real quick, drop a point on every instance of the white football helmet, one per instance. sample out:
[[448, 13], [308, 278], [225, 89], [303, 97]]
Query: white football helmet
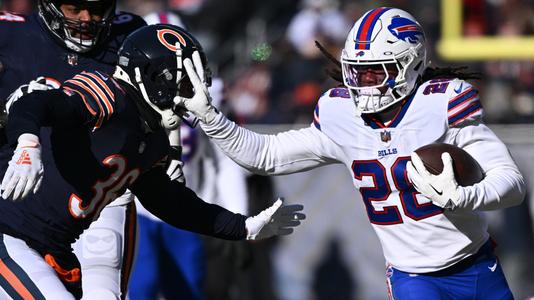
[[388, 41]]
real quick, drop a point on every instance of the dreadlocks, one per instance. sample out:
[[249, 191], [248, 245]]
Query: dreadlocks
[[429, 74]]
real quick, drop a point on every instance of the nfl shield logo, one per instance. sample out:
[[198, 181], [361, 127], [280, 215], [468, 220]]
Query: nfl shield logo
[[72, 59], [385, 136]]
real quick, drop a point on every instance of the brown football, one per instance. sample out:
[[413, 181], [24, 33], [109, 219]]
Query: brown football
[[467, 171]]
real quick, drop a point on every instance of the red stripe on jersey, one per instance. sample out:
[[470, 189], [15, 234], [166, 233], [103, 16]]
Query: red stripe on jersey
[[461, 95], [466, 116]]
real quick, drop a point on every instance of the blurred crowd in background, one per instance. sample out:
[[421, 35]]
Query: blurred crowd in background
[[265, 50], [273, 73]]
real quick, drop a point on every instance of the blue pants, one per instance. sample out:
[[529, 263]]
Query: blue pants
[[480, 277], [170, 262]]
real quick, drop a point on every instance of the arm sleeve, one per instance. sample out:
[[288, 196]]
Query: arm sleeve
[[44, 108], [284, 153], [180, 207], [503, 185]]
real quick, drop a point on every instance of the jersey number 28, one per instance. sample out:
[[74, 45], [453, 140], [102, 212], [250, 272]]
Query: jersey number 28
[[381, 191]]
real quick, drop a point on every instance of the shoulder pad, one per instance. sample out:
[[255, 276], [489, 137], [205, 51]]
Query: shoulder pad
[[339, 92], [128, 21], [98, 92], [9, 17], [464, 105], [335, 94]]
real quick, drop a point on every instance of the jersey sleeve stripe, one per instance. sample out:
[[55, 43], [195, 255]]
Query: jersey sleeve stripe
[[462, 98], [316, 120], [89, 108], [102, 97], [465, 113], [103, 85], [100, 108]]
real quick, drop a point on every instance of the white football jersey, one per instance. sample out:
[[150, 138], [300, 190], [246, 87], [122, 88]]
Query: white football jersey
[[416, 236]]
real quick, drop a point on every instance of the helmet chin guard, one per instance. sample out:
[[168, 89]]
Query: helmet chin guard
[[391, 43]]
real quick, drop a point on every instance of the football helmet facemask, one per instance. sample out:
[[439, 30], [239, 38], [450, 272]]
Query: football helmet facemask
[[79, 36], [151, 61], [389, 44]]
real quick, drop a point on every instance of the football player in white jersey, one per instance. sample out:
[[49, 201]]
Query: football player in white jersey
[[435, 242]]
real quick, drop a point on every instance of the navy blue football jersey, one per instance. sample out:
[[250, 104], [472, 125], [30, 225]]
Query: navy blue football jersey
[[82, 163], [28, 50], [99, 147]]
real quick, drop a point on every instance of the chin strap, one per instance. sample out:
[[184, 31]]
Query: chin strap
[[169, 120]]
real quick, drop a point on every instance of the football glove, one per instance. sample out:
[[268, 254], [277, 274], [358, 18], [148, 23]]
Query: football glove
[[175, 165], [278, 219], [200, 104], [442, 189], [174, 159], [25, 170], [38, 84]]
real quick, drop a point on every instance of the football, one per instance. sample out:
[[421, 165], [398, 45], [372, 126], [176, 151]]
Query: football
[[467, 171]]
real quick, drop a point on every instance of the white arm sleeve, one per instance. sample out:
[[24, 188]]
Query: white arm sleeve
[[284, 153], [503, 185]]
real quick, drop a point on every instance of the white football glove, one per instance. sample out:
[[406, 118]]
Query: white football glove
[[278, 219], [25, 170], [200, 104], [442, 189], [38, 84], [174, 165]]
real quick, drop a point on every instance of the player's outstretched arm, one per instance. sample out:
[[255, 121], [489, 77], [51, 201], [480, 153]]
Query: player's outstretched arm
[[284, 153], [180, 207]]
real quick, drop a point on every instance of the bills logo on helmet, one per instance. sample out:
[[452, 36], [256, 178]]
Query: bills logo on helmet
[[406, 29], [163, 37]]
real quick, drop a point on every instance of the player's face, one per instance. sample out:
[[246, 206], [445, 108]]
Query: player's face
[[81, 16], [372, 75]]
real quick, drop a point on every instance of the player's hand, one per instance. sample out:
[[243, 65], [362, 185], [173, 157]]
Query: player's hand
[[25, 170], [200, 104], [175, 165], [278, 219], [442, 189], [38, 84]]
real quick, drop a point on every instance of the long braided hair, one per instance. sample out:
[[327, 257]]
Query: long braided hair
[[430, 73]]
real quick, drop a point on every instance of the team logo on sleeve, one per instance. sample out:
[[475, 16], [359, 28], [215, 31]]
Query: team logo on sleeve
[[165, 38], [406, 30]]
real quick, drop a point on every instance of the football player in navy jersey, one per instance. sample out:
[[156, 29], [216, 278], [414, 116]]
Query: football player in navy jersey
[[62, 38], [108, 134]]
